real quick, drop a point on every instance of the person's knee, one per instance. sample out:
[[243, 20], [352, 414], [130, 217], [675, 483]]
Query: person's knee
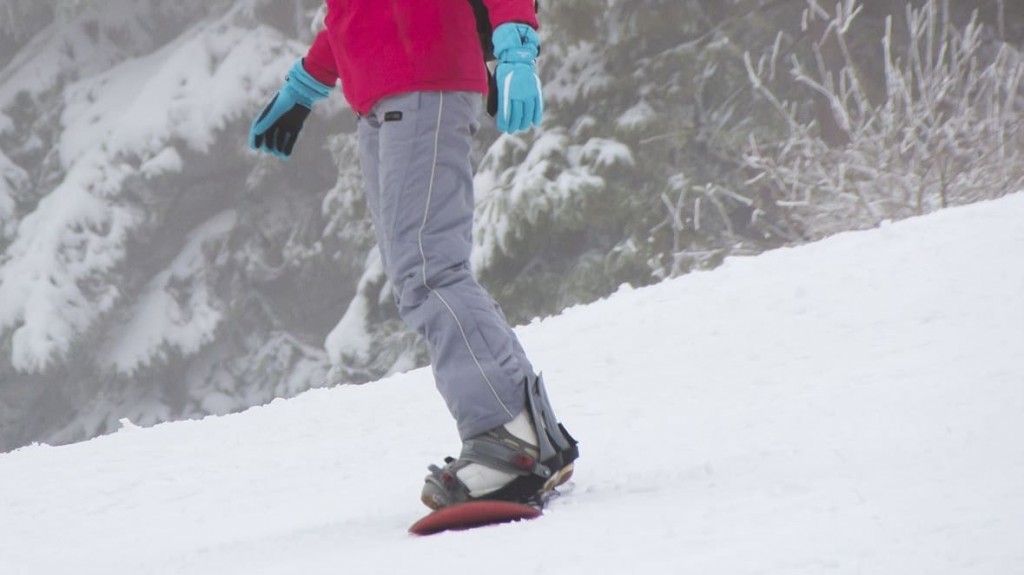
[[415, 285]]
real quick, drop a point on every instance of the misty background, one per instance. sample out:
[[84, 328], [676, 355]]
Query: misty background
[[152, 268]]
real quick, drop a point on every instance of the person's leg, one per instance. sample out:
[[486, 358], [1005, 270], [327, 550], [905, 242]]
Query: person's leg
[[425, 222], [368, 135]]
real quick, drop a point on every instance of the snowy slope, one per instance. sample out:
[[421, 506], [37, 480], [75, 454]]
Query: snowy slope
[[851, 406]]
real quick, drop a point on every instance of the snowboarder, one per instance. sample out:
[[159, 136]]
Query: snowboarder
[[413, 71]]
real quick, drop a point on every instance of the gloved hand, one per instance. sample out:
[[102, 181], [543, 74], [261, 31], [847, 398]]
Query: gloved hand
[[520, 101], [277, 128]]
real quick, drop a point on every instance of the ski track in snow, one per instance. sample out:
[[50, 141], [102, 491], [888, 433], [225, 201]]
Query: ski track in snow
[[851, 406]]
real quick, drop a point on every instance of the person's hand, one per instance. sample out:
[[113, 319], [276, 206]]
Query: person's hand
[[277, 128], [520, 97]]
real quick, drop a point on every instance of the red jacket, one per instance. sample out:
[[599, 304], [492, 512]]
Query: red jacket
[[381, 48]]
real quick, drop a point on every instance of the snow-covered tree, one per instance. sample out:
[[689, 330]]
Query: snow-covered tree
[[939, 125], [144, 249]]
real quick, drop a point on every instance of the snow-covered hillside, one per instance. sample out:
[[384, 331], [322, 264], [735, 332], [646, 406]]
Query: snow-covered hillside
[[851, 406]]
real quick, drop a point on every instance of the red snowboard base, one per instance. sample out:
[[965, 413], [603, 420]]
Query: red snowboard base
[[472, 514]]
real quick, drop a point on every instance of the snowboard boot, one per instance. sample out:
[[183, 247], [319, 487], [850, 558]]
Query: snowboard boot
[[521, 461]]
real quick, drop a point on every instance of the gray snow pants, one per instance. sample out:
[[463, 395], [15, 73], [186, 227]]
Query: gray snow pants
[[414, 151]]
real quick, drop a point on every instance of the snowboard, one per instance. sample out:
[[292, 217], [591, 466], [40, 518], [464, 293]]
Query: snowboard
[[473, 514]]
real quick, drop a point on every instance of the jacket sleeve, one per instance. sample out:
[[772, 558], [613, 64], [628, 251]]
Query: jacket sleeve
[[319, 60], [503, 11]]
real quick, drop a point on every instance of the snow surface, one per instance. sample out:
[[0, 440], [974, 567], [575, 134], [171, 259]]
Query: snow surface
[[851, 406]]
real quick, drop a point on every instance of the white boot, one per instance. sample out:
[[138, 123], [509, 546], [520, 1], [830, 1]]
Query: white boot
[[480, 479], [505, 463]]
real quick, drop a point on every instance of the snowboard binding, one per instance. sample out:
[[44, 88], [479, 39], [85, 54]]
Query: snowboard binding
[[538, 468]]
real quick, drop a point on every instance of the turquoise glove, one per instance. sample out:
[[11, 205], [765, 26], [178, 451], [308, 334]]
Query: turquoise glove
[[276, 130], [520, 99]]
